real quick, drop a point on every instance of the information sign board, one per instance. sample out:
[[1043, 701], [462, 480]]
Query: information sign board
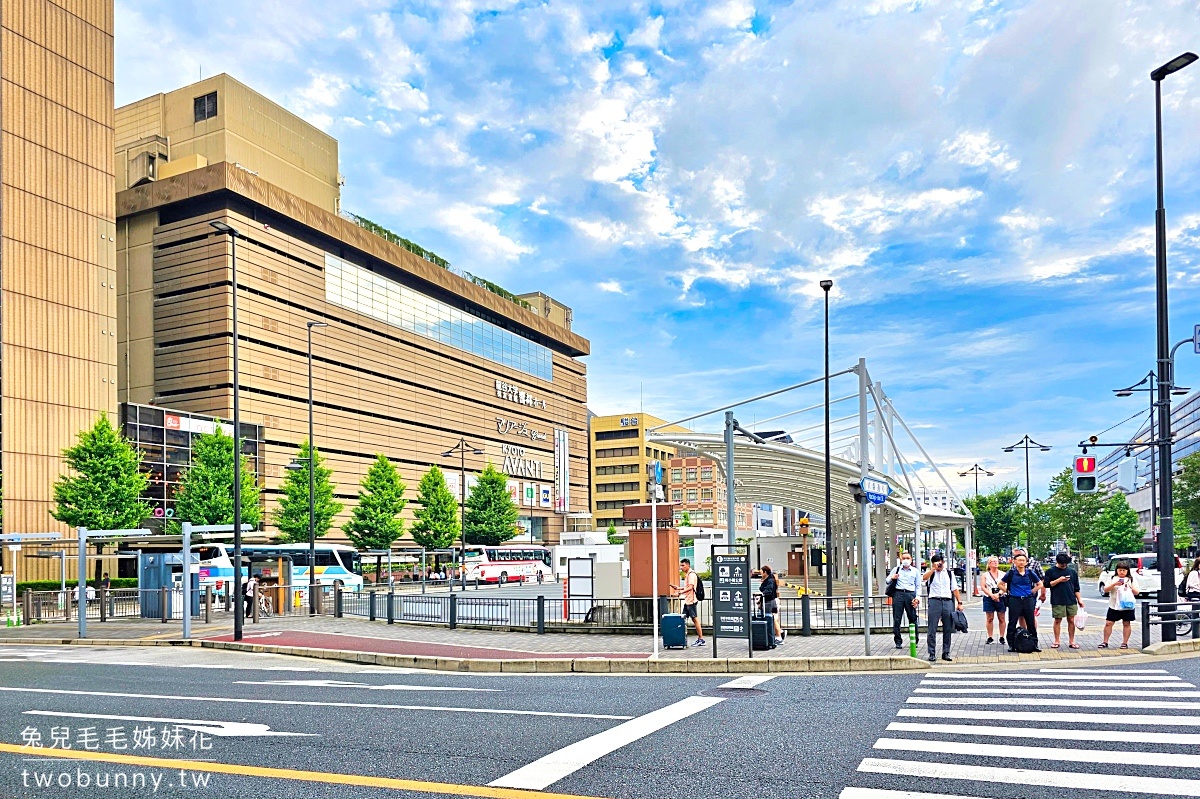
[[731, 594]]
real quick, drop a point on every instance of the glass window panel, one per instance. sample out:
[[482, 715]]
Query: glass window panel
[[150, 435], [178, 438], [177, 455]]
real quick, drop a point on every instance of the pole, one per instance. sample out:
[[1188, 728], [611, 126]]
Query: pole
[[187, 580], [729, 493], [828, 469], [654, 558], [864, 543], [1166, 530], [1153, 471], [239, 607], [462, 511], [82, 583], [312, 488]]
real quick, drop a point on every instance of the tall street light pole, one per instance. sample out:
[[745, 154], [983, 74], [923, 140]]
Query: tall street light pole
[[826, 285], [311, 464], [1149, 384], [1166, 535], [1027, 444], [461, 449], [976, 470], [232, 232]]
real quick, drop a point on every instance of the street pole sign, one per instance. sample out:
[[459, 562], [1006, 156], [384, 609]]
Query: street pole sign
[[1196, 340], [876, 491], [731, 593]]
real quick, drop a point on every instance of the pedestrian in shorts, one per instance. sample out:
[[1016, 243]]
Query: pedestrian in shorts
[[1065, 600], [686, 591]]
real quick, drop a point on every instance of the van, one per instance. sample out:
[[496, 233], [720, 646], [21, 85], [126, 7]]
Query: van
[[1144, 566]]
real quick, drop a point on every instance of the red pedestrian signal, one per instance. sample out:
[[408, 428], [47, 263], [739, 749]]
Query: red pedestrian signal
[[1085, 465], [1084, 477]]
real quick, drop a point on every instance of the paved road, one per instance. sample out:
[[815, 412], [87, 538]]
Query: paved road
[[350, 731]]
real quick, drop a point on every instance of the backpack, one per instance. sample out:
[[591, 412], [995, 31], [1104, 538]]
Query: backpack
[[700, 591], [1024, 641]]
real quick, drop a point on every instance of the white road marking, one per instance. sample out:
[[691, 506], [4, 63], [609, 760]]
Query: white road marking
[[1065, 686], [1125, 757], [1105, 671], [362, 685], [1007, 700], [1043, 675], [749, 681], [1160, 786], [553, 767], [993, 716], [1026, 691], [987, 730], [302, 703], [224, 729], [881, 793]]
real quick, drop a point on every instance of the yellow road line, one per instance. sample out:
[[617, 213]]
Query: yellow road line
[[420, 786]]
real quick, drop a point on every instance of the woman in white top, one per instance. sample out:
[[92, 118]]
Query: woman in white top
[[1191, 587], [1124, 580], [993, 604]]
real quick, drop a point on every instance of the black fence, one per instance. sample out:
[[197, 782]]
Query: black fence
[[1183, 616]]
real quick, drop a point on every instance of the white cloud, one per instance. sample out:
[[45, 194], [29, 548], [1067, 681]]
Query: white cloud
[[876, 212], [1020, 222], [648, 35], [612, 286], [978, 149], [735, 14], [472, 224]]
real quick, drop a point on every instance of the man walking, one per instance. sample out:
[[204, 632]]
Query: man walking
[[904, 600], [944, 599], [1064, 597], [687, 592]]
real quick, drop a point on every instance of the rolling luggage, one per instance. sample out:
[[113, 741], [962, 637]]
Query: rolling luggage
[[674, 631], [762, 633]]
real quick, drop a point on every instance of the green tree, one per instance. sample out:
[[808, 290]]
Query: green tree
[[686, 521], [375, 522], [205, 494], [291, 517], [1041, 531], [613, 538], [996, 519], [436, 525], [1117, 528], [491, 515], [1185, 490], [103, 487], [1073, 515]]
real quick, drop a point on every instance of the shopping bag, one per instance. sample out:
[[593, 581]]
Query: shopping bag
[[1081, 619], [1125, 600]]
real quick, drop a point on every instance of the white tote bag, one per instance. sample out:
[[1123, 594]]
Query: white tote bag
[[1081, 619]]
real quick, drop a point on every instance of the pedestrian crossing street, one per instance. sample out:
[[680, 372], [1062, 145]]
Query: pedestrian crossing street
[[1033, 734]]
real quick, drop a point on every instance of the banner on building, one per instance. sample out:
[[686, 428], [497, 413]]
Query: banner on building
[[514, 492], [547, 496], [562, 472]]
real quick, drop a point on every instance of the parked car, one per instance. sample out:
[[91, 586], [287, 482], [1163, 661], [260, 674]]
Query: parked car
[[1144, 566]]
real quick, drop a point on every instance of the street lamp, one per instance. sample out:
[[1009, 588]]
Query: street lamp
[[312, 480], [1166, 535], [461, 449], [1027, 444], [826, 285], [976, 470], [232, 232]]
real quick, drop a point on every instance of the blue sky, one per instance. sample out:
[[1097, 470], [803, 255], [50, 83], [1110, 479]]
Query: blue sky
[[976, 177]]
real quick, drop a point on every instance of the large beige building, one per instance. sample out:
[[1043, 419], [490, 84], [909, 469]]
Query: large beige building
[[58, 344], [621, 459], [415, 358]]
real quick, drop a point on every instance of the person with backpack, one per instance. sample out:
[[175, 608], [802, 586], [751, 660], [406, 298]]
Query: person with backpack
[[1021, 586], [904, 595], [1122, 592], [944, 599], [691, 591], [769, 588], [1036, 568]]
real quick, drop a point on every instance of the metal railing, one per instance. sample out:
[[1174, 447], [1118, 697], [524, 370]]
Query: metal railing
[[1185, 616]]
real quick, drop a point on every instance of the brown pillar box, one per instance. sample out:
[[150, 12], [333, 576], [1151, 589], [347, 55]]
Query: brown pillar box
[[640, 559]]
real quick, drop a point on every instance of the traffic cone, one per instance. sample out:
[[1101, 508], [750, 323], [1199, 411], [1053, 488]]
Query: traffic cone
[[849, 600]]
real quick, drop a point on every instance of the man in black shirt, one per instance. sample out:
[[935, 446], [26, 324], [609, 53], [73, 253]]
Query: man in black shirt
[[1064, 597]]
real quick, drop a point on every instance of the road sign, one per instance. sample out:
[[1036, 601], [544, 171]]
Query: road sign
[[876, 491], [1196, 340], [731, 594], [658, 473]]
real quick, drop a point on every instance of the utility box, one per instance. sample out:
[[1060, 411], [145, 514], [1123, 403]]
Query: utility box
[[640, 559], [158, 570]]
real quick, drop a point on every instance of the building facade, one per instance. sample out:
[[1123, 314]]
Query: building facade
[[58, 340], [620, 461], [416, 358], [696, 487]]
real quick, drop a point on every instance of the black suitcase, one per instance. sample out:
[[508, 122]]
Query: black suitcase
[[762, 634], [674, 631]]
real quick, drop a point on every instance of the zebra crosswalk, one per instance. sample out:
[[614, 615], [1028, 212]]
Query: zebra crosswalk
[[1018, 735]]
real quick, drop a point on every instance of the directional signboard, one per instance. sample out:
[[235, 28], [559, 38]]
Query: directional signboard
[[731, 593], [876, 491]]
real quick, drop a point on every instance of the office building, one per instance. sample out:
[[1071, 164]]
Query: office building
[[416, 356], [620, 463], [696, 486], [58, 343]]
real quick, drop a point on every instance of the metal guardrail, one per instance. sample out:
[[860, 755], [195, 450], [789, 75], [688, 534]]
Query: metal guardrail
[[1185, 616]]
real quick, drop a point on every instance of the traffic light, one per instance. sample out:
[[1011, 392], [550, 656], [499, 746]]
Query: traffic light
[[1085, 475]]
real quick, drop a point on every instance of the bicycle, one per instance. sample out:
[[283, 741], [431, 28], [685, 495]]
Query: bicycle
[[265, 608]]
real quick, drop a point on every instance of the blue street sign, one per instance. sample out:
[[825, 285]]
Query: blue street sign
[[876, 491], [658, 473]]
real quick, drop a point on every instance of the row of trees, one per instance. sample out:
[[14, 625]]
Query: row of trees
[[105, 486], [1088, 522]]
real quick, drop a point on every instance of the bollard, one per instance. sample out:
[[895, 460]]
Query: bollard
[[371, 615], [391, 608], [541, 615], [318, 595], [66, 600], [912, 640], [208, 604], [27, 606], [103, 604], [453, 611], [1145, 623], [805, 615], [337, 601], [225, 597], [163, 603], [254, 603]]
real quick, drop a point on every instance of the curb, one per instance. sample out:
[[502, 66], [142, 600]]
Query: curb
[[1173, 647]]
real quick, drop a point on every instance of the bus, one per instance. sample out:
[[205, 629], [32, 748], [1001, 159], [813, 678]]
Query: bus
[[337, 564], [507, 564]]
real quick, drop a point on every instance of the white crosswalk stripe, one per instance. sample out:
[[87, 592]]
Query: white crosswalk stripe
[[965, 735]]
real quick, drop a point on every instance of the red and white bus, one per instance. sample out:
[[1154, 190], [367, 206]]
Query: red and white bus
[[508, 564]]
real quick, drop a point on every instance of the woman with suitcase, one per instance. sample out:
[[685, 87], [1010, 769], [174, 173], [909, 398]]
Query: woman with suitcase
[[769, 588]]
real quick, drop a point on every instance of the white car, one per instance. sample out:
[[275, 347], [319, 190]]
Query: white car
[[1144, 566]]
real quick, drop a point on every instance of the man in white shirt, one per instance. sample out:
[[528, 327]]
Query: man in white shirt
[[944, 599], [904, 601]]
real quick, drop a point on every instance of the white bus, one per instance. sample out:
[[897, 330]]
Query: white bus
[[507, 564], [337, 564]]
